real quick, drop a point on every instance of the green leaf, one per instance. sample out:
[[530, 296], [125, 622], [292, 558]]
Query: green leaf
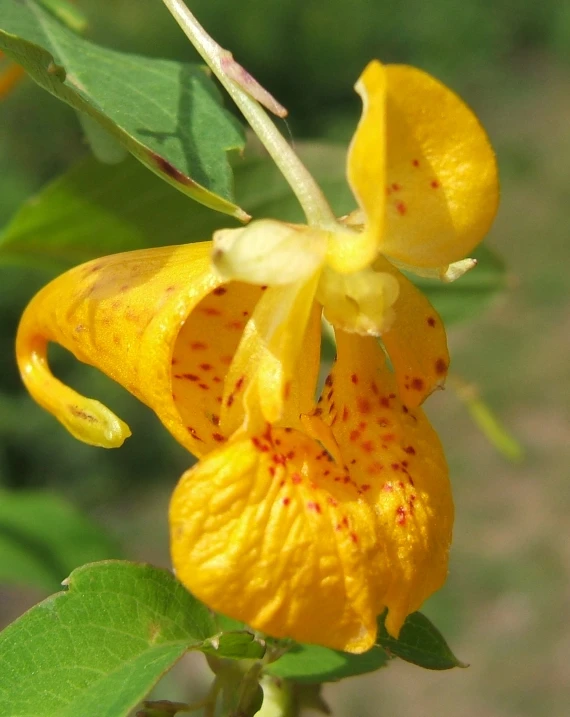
[[43, 538], [99, 647], [420, 643], [168, 114], [313, 663], [237, 645], [67, 13], [470, 294], [97, 209]]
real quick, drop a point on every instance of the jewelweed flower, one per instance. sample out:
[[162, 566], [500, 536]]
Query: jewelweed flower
[[304, 519]]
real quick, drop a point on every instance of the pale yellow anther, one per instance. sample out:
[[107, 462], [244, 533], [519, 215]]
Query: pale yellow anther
[[360, 302]]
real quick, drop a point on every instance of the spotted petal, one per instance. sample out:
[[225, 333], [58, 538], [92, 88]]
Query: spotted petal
[[157, 321], [263, 531], [436, 180], [416, 341], [276, 382], [396, 465]]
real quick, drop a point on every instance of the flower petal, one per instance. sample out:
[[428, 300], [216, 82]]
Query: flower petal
[[396, 464], [269, 252], [421, 168], [416, 341], [441, 172], [285, 321], [157, 321], [262, 531], [366, 170], [360, 302]]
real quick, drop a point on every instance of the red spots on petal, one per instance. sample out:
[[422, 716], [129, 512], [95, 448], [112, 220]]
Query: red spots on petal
[[217, 379], [290, 455], [440, 366], [206, 366], [311, 505], [431, 321], [235, 325], [385, 402], [401, 515], [331, 408], [354, 537], [415, 162], [239, 383], [332, 501], [354, 378], [230, 400], [405, 409], [411, 482], [410, 450], [204, 386], [272, 472], [287, 390], [226, 360], [383, 422], [261, 447], [296, 479], [264, 287], [198, 346], [345, 414], [329, 380], [210, 311], [401, 208], [396, 187], [192, 432], [418, 384], [375, 468], [364, 487], [367, 446], [388, 437], [288, 430], [363, 405], [215, 420], [218, 437], [362, 426], [220, 291], [354, 435], [174, 361], [374, 388], [434, 184], [395, 466], [286, 501]]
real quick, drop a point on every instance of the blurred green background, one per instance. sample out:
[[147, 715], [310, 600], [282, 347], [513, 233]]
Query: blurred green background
[[503, 608]]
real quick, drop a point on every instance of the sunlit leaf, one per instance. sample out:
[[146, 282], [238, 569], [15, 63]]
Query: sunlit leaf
[[99, 647], [313, 663], [168, 114], [420, 643]]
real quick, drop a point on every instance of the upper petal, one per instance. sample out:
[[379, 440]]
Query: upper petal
[[157, 321], [396, 464], [436, 181], [263, 531]]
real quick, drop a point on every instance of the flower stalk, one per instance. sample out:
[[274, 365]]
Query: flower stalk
[[247, 93]]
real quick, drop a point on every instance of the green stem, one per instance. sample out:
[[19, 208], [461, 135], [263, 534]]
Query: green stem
[[220, 61]]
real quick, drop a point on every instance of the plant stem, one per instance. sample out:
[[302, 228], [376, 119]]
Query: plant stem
[[235, 79]]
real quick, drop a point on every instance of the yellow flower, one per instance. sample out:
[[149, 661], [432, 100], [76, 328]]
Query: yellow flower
[[304, 520]]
